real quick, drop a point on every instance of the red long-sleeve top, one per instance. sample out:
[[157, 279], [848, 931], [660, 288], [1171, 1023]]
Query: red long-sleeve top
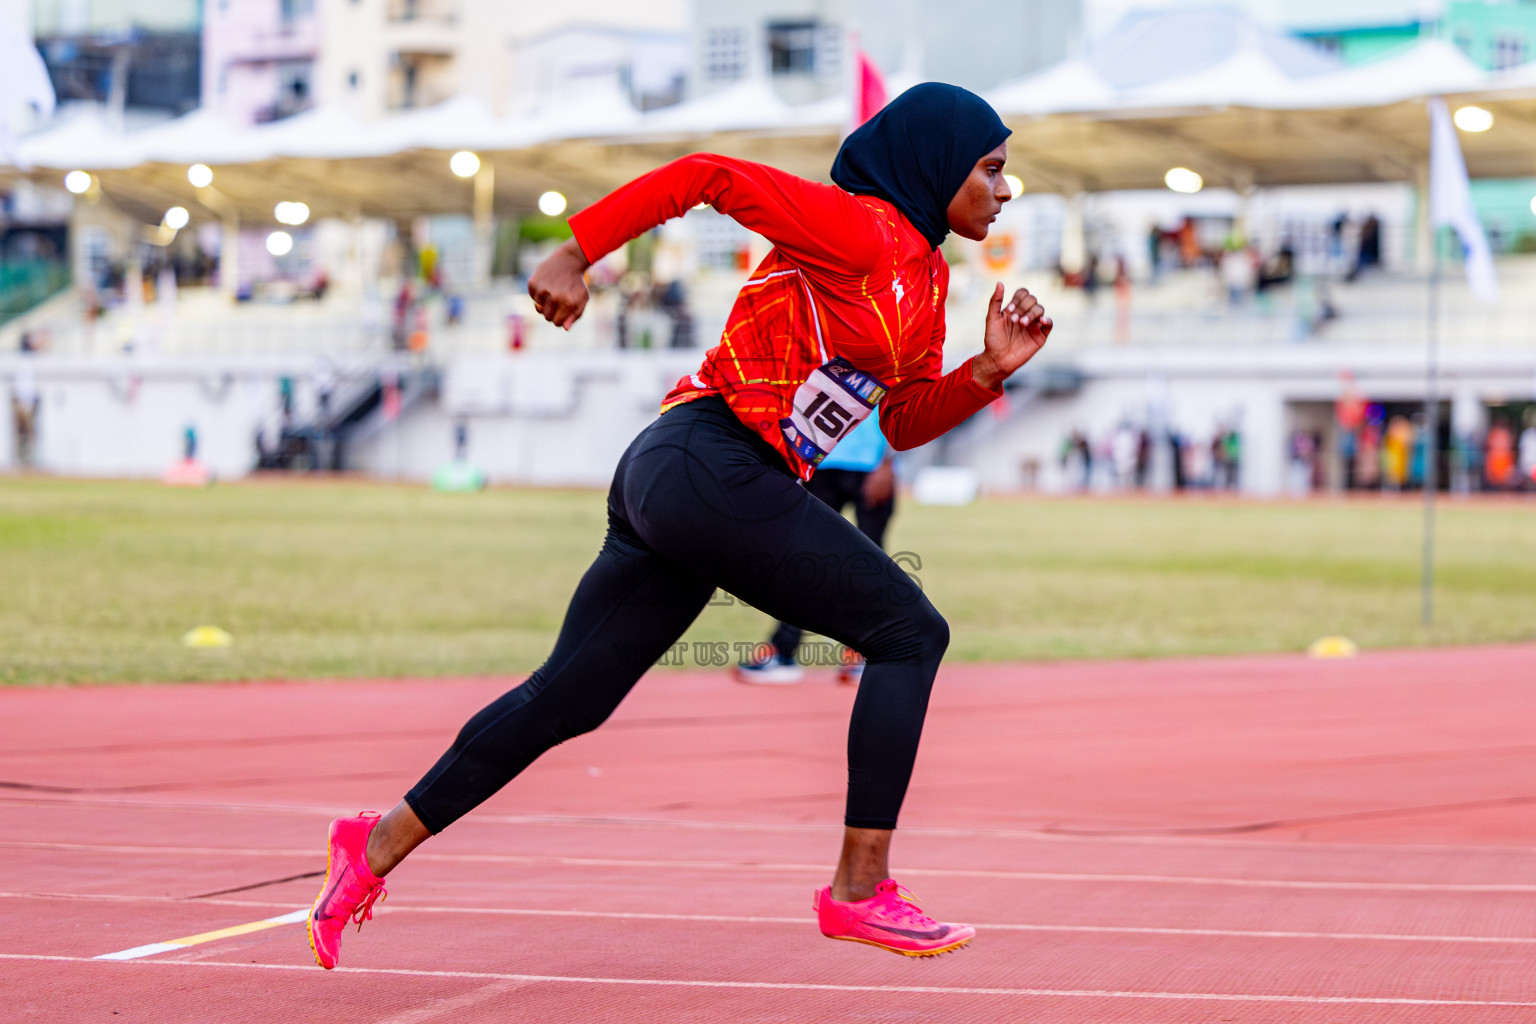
[[848, 276]]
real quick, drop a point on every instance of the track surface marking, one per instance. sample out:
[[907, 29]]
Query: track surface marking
[[1243, 839]]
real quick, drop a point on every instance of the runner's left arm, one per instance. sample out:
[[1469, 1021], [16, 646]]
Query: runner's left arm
[[928, 403], [924, 405]]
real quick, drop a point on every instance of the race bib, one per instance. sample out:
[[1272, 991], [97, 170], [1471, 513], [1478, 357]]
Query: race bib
[[834, 399]]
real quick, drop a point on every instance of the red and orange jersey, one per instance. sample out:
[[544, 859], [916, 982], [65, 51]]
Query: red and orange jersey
[[848, 278]]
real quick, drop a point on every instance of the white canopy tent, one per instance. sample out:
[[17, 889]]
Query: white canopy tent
[[1244, 106]]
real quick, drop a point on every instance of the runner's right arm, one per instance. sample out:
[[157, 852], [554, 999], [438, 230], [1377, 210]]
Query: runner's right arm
[[815, 225]]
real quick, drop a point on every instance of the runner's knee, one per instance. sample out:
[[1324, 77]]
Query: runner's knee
[[934, 632], [571, 718], [915, 634]]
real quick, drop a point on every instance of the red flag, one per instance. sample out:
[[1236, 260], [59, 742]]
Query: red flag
[[390, 400], [869, 90]]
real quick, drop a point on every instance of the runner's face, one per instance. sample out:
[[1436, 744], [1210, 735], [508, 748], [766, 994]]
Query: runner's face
[[979, 200]]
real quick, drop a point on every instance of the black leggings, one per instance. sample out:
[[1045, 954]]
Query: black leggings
[[699, 501], [838, 488]]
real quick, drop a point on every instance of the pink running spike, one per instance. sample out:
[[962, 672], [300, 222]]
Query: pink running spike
[[350, 888], [889, 919]]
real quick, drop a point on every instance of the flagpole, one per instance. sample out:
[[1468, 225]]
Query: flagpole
[[1449, 204], [1432, 435]]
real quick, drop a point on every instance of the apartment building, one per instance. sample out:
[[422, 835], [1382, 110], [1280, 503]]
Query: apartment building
[[259, 58], [802, 45], [138, 57]]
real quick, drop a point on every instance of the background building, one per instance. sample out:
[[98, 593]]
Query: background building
[[128, 55], [802, 46], [259, 59]]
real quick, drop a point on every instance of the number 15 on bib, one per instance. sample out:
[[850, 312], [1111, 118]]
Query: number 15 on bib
[[834, 399]]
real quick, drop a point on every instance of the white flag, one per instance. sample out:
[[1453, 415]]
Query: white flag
[[23, 82], [1450, 202]]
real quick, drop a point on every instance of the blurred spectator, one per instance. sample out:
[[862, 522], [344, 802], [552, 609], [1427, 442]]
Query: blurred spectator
[[1189, 243], [1143, 458], [1176, 445], [674, 303], [1232, 443], [1238, 273], [400, 326], [1279, 268], [25, 403], [1394, 454], [1499, 457], [431, 268], [1199, 469], [1303, 463], [1314, 307], [324, 382], [1464, 479], [1368, 456], [1349, 445], [1077, 460], [1226, 459], [1527, 460], [1368, 255], [1122, 301], [1417, 462], [1124, 446], [420, 335]]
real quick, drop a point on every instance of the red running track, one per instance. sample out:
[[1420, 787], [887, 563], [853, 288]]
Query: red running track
[[1246, 839]]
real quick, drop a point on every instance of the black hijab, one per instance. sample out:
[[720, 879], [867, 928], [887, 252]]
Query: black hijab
[[918, 151]]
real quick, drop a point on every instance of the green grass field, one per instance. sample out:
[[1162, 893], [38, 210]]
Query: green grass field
[[99, 580]]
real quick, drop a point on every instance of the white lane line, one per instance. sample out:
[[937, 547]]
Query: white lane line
[[555, 820], [1085, 928], [1100, 929], [196, 940], [816, 869], [792, 986]]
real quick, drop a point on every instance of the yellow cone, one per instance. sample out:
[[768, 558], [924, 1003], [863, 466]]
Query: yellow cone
[[207, 636], [1333, 647]]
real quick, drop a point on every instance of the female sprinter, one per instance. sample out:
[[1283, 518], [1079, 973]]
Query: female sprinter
[[846, 311]]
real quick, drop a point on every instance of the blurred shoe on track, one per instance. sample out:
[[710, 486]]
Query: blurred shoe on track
[[771, 669]]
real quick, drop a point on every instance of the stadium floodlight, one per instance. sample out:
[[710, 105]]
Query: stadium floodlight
[[279, 243], [176, 218], [1182, 179], [78, 182], [200, 175], [464, 163], [551, 204], [1473, 119], [291, 213], [1015, 184]]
